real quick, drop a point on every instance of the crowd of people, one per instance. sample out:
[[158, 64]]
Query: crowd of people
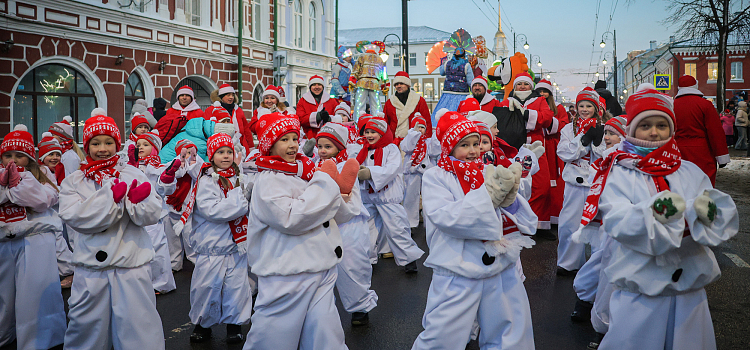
[[278, 209]]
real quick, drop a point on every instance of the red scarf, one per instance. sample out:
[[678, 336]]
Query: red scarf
[[583, 125], [341, 157], [239, 225], [469, 174], [503, 152], [177, 198], [10, 212], [419, 151], [385, 140], [154, 161], [101, 170], [66, 145], [278, 164], [660, 162], [133, 137]]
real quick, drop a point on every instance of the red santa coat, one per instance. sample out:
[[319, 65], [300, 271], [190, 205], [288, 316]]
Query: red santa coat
[[172, 123], [307, 110], [487, 104], [699, 135], [540, 118], [399, 115], [551, 139], [243, 125]]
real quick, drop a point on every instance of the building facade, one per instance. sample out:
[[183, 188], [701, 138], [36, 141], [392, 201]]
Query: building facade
[[66, 57]]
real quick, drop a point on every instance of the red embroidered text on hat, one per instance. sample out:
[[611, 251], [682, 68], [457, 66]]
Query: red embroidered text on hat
[[271, 127], [19, 140], [451, 128], [100, 124]]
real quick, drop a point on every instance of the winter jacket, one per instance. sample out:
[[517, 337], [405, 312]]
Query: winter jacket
[[577, 157], [430, 158], [613, 106], [174, 120], [39, 200], [387, 182], [160, 108], [307, 111], [197, 130], [727, 123], [242, 126], [741, 119], [393, 109]]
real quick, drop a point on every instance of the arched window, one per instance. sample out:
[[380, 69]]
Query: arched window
[[202, 93], [313, 28], [133, 92], [297, 23], [48, 93]]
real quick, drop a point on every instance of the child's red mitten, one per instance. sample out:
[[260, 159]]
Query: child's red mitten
[[14, 178], [4, 177], [133, 156], [167, 176], [139, 192], [329, 167], [59, 173], [348, 176], [118, 190]]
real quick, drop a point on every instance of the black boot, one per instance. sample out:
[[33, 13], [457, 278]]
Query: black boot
[[360, 319], [411, 267], [234, 334], [545, 235], [593, 345], [582, 311], [563, 272], [200, 334]]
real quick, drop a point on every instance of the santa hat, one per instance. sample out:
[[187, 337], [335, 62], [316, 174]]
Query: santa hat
[[185, 90], [272, 91], [440, 113], [545, 84], [602, 105], [217, 141], [482, 116], [153, 138], [523, 76], [649, 103], [226, 89], [361, 123], [480, 80], [418, 119], [19, 140], [343, 109], [687, 85], [451, 128], [590, 95], [403, 78], [219, 112], [63, 128], [137, 120], [48, 145], [616, 125], [483, 128], [282, 94], [183, 144], [271, 127], [337, 133], [315, 79], [100, 124], [376, 123], [468, 105]]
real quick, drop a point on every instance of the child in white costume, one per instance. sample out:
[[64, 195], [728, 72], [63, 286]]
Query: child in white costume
[[421, 153], [31, 304], [217, 207], [580, 145], [112, 301], [355, 270], [71, 154], [147, 147], [475, 226], [663, 215], [382, 186], [294, 244]]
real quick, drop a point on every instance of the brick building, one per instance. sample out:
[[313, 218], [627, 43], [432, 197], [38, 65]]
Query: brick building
[[66, 57]]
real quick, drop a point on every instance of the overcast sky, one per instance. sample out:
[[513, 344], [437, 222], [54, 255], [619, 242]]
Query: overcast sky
[[561, 32]]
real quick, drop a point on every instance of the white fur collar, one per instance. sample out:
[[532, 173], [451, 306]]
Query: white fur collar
[[309, 98], [485, 100]]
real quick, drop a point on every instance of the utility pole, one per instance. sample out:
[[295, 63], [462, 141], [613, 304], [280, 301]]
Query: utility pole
[[336, 47], [405, 33], [614, 54], [240, 29]]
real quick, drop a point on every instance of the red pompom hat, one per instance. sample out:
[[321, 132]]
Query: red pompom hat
[[48, 145], [271, 127], [337, 133], [417, 120], [376, 123], [100, 124], [218, 141], [451, 128], [647, 103], [19, 140], [590, 95]]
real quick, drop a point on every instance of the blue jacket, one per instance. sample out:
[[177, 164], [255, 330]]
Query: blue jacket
[[197, 130]]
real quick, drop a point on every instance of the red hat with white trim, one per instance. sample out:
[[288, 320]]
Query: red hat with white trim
[[402, 78], [100, 124], [451, 128], [48, 145], [217, 141], [272, 91], [337, 133], [545, 84], [616, 125], [184, 143], [648, 103], [468, 105], [282, 94], [316, 79], [137, 120], [480, 80], [63, 129], [418, 119], [153, 138], [523, 76], [687, 81], [19, 140], [219, 112], [226, 89], [271, 127], [590, 95], [185, 90], [602, 105]]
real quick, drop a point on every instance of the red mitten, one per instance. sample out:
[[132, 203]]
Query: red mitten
[[59, 173], [14, 178], [133, 156], [586, 125], [4, 177], [119, 190], [329, 167], [139, 192], [348, 176], [167, 176]]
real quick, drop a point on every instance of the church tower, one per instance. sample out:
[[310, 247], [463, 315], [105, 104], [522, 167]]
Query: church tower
[[501, 48]]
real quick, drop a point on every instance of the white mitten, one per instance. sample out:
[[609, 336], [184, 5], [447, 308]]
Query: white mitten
[[537, 148], [224, 128], [516, 170], [706, 209], [495, 248], [668, 207], [514, 104], [499, 182]]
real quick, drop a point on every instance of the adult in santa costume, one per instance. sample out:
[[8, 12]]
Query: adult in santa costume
[[479, 93], [551, 139], [340, 73], [183, 110], [399, 110], [698, 131], [315, 107], [538, 116], [227, 98], [369, 79]]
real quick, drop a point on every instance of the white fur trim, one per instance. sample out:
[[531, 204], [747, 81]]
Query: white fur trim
[[312, 119], [523, 78], [555, 127], [533, 115], [723, 159], [402, 80], [226, 90], [316, 81], [188, 92], [269, 92], [690, 90], [480, 80]]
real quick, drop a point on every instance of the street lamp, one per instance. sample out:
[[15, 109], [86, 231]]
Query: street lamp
[[516, 37], [614, 54], [547, 76], [384, 56], [400, 50]]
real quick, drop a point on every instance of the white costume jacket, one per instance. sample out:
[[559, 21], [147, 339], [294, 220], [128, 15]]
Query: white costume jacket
[[387, 182], [31, 194], [570, 150], [409, 143]]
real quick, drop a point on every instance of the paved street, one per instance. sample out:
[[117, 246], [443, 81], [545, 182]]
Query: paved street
[[396, 322]]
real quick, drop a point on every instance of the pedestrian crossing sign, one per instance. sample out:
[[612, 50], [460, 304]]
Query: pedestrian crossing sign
[[662, 81]]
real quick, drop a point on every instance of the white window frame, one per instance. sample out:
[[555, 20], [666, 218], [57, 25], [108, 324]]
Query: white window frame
[[297, 19], [313, 26], [193, 12], [694, 69], [710, 73], [257, 19], [739, 78], [412, 59]]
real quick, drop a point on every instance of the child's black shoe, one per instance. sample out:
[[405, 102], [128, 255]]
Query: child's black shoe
[[360, 319], [234, 334], [411, 267], [582, 311], [200, 334]]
